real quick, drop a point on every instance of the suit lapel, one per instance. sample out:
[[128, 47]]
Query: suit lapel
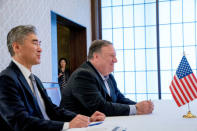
[[105, 89], [112, 92], [100, 80], [41, 89], [103, 84], [21, 78], [25, 84]]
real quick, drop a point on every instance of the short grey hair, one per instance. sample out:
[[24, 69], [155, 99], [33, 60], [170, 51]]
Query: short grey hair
[[17, 34], [96, 47]]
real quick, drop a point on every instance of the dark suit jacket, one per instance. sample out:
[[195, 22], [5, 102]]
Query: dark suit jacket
[[20, 107], [4, 125], [86, 93]]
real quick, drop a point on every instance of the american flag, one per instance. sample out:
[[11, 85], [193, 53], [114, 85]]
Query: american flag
[[184, 84]]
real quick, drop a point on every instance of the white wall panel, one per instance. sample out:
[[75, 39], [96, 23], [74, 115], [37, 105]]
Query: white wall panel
[[38, 13]]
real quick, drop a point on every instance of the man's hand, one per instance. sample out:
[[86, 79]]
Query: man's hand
[[79, 121], [144, 107], [97, 116]]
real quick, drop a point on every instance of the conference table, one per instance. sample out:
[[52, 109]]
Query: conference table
[[167, 116]]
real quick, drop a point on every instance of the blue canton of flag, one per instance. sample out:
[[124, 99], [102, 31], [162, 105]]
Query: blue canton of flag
[[184, 69]]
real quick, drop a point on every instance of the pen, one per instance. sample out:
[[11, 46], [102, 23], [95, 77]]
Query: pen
[[115, 128], [97, 123]]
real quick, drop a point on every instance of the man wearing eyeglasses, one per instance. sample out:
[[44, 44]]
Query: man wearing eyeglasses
[[23, 99]]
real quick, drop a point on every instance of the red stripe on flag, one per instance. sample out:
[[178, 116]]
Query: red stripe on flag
[[177, 83], [186, 89], [177, 102], [195, 86], [189, 87], [176, 91], [191, 80], [194, 77]]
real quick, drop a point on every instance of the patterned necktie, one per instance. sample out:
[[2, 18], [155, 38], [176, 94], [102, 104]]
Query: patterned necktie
[[106, 84], [36, 94]]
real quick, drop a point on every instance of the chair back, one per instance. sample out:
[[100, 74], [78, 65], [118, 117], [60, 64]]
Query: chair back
[[53, 91]]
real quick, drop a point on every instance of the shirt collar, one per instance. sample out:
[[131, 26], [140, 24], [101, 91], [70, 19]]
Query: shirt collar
[[103, 77], [26, 72]]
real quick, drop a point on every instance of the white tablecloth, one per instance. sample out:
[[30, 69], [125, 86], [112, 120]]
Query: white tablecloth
[[167, 116]]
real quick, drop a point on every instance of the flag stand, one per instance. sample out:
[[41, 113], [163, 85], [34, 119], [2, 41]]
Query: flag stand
[[189, 114]]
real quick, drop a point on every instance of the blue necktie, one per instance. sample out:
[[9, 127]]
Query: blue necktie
[[36, 94]]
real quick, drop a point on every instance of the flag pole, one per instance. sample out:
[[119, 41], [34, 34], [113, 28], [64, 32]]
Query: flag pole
[[189, 114]]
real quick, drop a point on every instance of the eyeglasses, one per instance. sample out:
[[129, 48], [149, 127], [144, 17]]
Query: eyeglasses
[[36, 43]]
